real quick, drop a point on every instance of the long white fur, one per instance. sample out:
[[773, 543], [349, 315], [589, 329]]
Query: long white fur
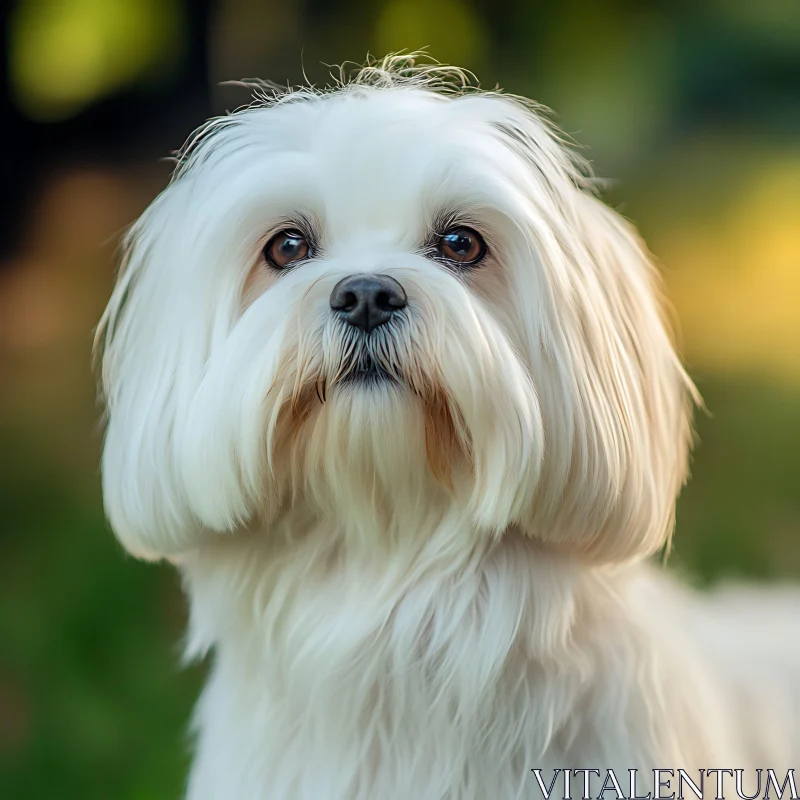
[[422, 589]]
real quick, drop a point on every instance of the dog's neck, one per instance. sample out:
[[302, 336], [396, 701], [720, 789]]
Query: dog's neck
[[308, 601], [415, 567], [342, 653]]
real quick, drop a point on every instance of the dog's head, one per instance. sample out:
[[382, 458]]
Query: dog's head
[[383, 299]]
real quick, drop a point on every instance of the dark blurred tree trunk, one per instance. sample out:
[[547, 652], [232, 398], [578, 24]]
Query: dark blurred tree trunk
[[14, 151]]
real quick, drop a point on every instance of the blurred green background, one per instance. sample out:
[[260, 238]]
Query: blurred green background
[[694, 109]]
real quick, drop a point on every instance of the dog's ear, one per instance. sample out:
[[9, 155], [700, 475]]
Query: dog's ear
[[619, 437], [616, 402], [141, 361], [173, 468]]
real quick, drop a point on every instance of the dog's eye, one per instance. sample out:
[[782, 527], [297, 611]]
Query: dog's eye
[[286, 248], [462, 245]]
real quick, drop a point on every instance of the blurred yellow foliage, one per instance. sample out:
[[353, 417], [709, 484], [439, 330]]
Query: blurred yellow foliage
[[736, 282], [66, 53], [449, 28]]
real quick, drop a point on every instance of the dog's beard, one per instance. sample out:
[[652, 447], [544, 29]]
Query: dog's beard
[[369, 424]]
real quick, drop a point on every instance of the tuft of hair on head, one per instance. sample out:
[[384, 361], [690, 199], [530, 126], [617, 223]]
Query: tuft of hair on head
[[414, 70]]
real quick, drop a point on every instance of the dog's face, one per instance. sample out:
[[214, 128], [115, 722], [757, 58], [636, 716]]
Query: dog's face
[[383, 303]]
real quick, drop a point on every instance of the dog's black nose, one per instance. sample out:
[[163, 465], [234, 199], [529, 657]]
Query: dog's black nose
[[367, 301]]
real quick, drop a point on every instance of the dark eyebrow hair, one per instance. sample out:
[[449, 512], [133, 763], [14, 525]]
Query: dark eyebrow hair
[[447, 217], [306, 222]]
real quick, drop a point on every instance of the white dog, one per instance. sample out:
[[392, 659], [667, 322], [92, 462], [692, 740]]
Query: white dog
[[394, 390]]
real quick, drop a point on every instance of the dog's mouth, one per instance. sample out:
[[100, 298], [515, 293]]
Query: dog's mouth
[[365, 371]]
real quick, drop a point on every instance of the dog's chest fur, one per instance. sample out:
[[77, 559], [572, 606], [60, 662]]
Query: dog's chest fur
[[452, 679]]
